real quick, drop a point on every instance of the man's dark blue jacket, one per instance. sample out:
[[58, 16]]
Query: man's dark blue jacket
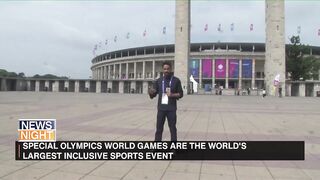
[[175, 88]]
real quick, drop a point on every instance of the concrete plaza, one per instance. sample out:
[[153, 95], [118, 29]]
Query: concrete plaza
[[89, 116]]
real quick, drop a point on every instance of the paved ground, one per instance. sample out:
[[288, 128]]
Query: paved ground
[[89, 116]]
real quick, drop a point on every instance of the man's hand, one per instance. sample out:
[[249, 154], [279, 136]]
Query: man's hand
[[169, 94], [173, 95], [152, 92]]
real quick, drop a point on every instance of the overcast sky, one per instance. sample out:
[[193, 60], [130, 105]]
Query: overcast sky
[[58, 37]]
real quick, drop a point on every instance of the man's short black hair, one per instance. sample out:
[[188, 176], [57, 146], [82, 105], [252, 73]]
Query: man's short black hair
[[166, 63]]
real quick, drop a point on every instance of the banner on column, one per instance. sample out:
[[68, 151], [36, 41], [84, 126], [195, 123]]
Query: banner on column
[[246, 68], [206, 68], [194, 68], [220, 68], [233, 68]]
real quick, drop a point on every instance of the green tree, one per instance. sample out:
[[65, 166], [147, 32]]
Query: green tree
[[12, 74], [299, 63], [21, 75], [49, 76], [3, 73]]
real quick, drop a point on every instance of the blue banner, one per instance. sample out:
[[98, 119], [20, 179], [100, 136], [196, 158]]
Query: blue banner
[[194, 68], [233, 68], [246, 68]]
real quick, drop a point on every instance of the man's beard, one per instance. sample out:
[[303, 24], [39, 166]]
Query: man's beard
[[166, 74]]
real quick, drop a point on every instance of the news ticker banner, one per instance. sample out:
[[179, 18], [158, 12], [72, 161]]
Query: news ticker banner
[[150, 150]]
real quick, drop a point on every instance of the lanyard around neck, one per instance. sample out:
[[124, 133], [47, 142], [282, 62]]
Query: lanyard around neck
[[163, 84]]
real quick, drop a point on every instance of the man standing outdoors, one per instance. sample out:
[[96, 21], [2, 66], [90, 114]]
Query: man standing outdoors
[[169, 89]]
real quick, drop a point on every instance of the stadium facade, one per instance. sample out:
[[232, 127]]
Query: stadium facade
[[231, 66]]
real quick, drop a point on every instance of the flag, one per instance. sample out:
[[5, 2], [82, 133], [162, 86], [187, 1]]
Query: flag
[[219, 27], [232, 26], [299, 29], [128, 35], [206, 27], [144, 33], [251, 27], [115, 38], [164, 29], [95, 47]]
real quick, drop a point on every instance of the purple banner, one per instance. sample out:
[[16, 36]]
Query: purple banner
[[206, 68], [233, 68], [220, 68]]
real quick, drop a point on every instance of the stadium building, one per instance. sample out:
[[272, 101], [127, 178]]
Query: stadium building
[[231, 66]]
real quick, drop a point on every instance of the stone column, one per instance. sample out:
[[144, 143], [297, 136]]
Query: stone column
[[227, 74], [145, 87], [104, 72], [28, 85], [302, 89], [182, 42], [127, 70], [253, 80], [101, 72], [288, 89], [19, 85], [66, 85], [135, 70], [153, 69], [213, 73], [98, 86], [120, 71], [46, 85], [109, 72], [121, 85], [87, 85], [200, 73], [133, 86], [316, 87], [143, 69], [4, 84], [109, 85], [114, 71], [76, 86], [55, 86], [275, 43], [240, 74]]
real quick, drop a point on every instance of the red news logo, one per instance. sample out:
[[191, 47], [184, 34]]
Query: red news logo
[[37, 130]]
